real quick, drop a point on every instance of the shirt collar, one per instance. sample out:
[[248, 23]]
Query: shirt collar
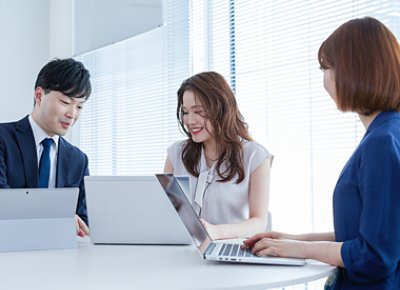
[[39, 134], [382, 118]]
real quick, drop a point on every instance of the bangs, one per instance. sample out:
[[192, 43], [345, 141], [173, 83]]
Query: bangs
[[325, 57], [77, 92]]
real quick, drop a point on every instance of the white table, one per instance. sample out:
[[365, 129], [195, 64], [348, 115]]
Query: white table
[[123, 267]]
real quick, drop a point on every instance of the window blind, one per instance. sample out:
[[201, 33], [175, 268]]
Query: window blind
[[267, 50], [129, 121]]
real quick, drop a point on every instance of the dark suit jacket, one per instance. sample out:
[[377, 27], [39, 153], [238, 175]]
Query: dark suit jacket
[[19, 165]]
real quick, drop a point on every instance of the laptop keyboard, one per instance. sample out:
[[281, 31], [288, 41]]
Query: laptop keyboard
[[234, 250]]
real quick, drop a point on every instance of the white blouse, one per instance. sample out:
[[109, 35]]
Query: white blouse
[[221, 202]]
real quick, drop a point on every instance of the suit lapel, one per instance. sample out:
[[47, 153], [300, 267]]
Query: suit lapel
[[27, 145], [63, 158]]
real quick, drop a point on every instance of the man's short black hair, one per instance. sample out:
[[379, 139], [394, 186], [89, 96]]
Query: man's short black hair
[[67, 76]]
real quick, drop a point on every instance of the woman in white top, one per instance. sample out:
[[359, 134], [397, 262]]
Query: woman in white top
[[229, 172]]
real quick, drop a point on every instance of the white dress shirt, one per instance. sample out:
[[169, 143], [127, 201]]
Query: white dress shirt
[[39, 135]]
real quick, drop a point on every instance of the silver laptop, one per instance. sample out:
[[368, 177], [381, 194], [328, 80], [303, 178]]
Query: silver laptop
[[226, 251], [38, 218], [131, 210]]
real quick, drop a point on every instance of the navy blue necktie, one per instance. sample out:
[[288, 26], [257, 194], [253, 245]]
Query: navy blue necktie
[[44, 163]]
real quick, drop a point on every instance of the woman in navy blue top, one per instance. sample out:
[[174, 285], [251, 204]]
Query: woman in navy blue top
[[361, 65]]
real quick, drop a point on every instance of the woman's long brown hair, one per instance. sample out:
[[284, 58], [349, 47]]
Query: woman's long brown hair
[[221, 110]]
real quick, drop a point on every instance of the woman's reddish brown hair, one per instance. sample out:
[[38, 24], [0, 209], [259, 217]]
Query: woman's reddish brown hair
[[221, 110]]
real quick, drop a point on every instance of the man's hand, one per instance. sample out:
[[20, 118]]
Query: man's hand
[[81, 228]]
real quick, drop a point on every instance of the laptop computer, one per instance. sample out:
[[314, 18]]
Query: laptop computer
[[132, 210], [226, 251], [38, 218]]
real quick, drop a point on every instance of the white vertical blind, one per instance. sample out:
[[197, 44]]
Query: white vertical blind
[[129, 120], [267, 50]]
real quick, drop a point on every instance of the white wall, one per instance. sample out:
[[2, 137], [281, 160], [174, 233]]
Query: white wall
[[61, 28], [32, 32], [102, 22], [24, 32]]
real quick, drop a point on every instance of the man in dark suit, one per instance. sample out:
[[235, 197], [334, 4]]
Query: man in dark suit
[[33, 152]]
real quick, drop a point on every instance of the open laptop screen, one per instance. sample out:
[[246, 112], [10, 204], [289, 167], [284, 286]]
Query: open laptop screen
[[182, 205]]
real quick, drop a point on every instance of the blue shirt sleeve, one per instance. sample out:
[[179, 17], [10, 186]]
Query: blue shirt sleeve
[[375, 253]]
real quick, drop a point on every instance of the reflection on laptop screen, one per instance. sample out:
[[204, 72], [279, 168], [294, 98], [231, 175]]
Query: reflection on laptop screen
[[185, 210]]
